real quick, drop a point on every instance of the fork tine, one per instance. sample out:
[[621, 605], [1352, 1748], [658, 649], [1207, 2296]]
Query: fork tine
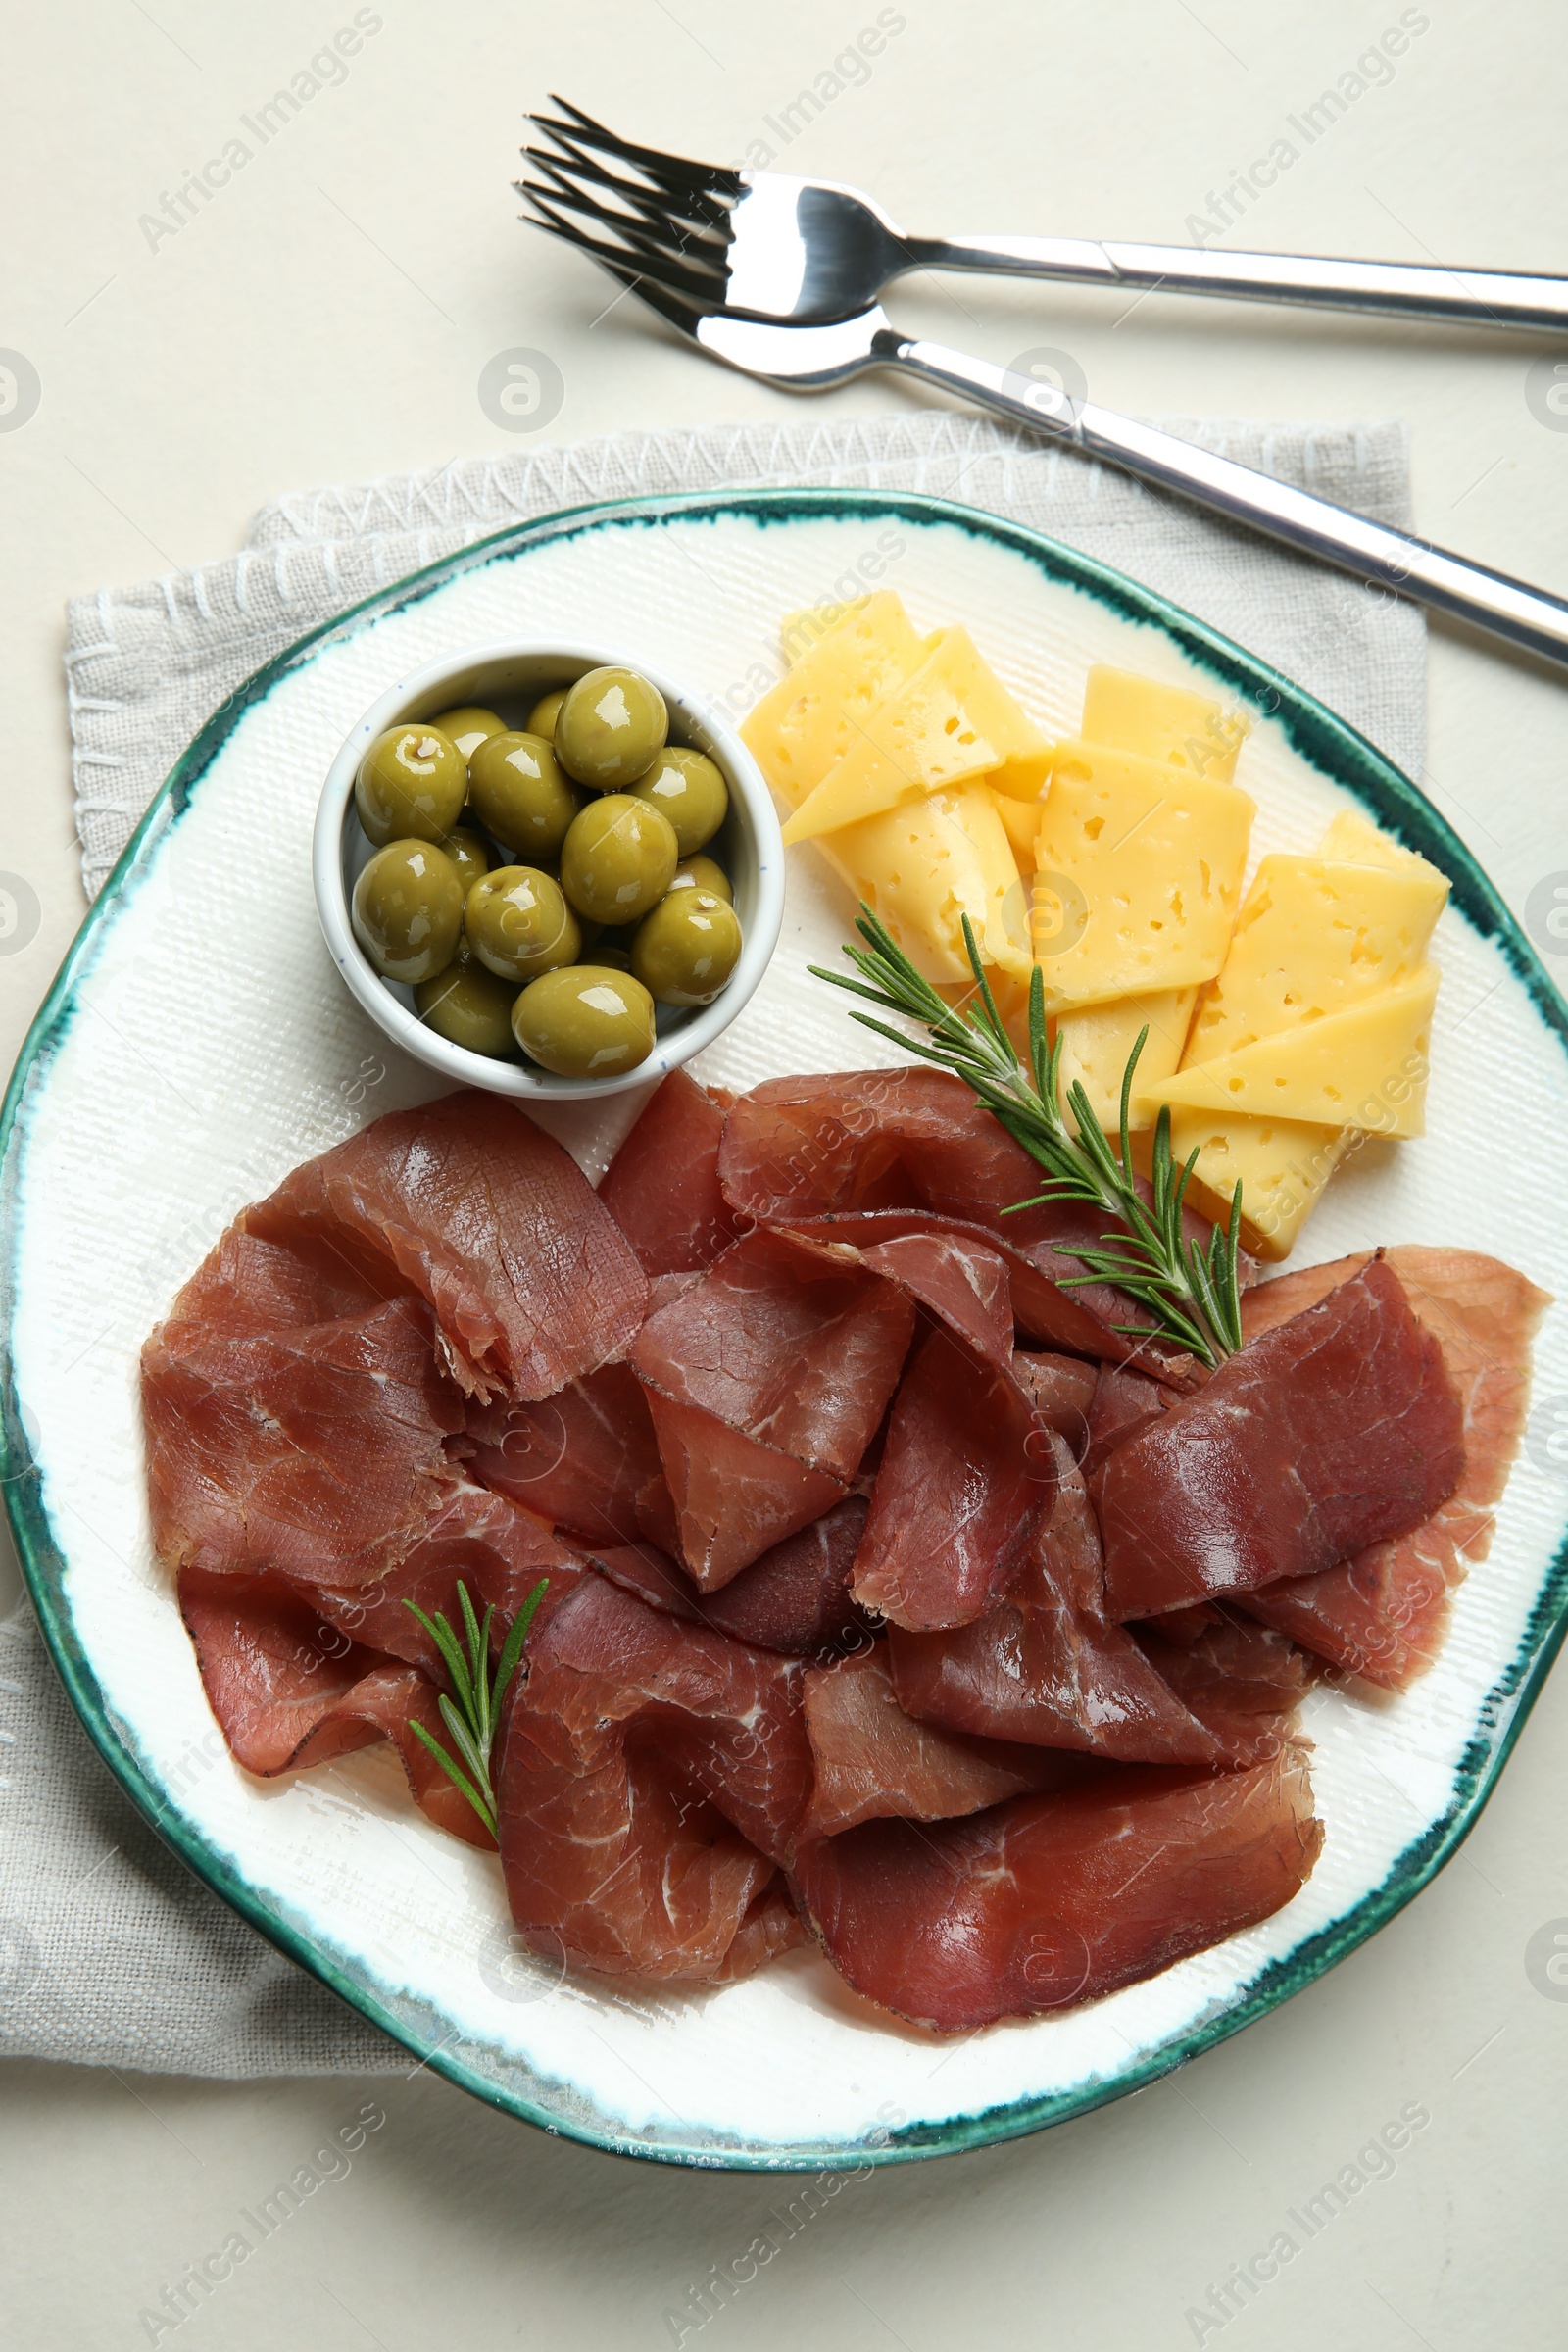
[[695, 202], [682, 249], [685, 316], [713, 178], [657, 268], [659, 208]]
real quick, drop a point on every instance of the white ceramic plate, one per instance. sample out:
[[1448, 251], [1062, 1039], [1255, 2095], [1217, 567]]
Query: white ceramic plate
[[197, 1043]]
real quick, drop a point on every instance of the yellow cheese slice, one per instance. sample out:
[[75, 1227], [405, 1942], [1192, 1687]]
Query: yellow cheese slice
[[953, 719], [1366, 1066], [1097, 1039], [1314, 936], [1281, 1164], [1162, 722], [1354, 837], [921, 868], [1158, 854], [1020, 822], [803, 725], [799, 631]]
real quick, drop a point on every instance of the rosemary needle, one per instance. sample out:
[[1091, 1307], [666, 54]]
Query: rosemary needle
[[472, 1709], [1192, 1290]]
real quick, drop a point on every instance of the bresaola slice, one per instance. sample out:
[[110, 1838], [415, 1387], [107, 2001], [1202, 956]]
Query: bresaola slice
[[662, 1187], [793, 1352], [1046, 1901], [316, 1449], [873, 1762], [1381, 1614], [1334, 1430], [531, 1280], [288, 1694], [1045, 1666], [966, 1479], [653, 1774], [579, 1458], [825, 1144], [727, 1498]]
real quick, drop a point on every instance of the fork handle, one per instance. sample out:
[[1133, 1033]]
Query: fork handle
[[1407, 289], [1373, 551]]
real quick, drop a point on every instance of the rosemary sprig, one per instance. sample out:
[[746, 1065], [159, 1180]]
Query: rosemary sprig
[[1192, 1293], [473, 1708]]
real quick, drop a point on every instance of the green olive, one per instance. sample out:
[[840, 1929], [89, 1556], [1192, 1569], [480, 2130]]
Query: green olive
[[618, 858], [469, 726], [589, 1022], [408, 910], [545, 713], [686, 949], [701, 874], [468, 1004], [469, 853], [610, 728], [412, 785], [518, 793], [518, 924], [691, 791]]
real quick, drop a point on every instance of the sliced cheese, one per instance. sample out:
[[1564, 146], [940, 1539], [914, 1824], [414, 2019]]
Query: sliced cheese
[[1354, 837], [1097, 1039], [951, 720], [1020, 822], [1162, 722], [1156, 854], [1366, 1066], [923, 868], [1314, 936], [799, 631], [803, 725], [1281, 1164]]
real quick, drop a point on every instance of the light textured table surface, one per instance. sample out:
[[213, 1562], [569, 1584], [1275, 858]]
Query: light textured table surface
[[327, 317]]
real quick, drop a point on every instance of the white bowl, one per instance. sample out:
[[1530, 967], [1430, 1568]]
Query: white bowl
[[510, 679]]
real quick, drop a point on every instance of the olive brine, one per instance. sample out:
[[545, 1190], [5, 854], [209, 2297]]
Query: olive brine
[[609, 908]]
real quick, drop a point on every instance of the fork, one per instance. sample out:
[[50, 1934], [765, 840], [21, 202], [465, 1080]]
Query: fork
[[812, 250], [645, 254]]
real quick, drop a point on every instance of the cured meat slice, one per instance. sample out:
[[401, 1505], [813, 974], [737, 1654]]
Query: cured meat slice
[[662, 1187], [793, 1352], [617, 1865], [247, 1287], [967, 1477], [1124, 1403], [1046, 1667], [732, 1499], [796, 1598], [1061, 1389], [316, 1448], [286, 1698], [649, 1572], [725, 1715], [772, 1925], [531, 1279], [960, 1278], [1041, 1309], [578, 1458], [875, 1762], [1381, 1614], [1243, 1682], [1045, 1901], [629, 1754], [1329, 1432], [496, 1549], [827, 1145]]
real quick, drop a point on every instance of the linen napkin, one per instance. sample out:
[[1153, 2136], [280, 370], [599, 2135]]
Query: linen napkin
[[112, 1953]]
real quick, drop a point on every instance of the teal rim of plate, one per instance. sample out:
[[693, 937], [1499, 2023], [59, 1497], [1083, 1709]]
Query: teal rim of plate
[[1331, 746]]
